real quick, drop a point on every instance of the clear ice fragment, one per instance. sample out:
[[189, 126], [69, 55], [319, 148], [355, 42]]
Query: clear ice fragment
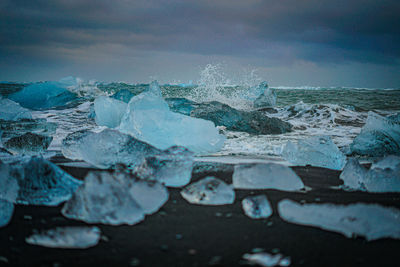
[[267, 98], [77, 237], [353, 175], [257, 207], [369, 220], [109, 111], [12, 111], [266, 176], [317, 151], [266, 259], [123, 95], [209, 191]]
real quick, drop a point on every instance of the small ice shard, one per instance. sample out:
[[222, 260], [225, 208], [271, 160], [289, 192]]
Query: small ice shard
[[257, 207], [109, 111], [353, 175], [16, 128], [67, 237], [43, 95], [106, 149], [172, 167], [369, 220], [317, 151], [6, 212], [209, 191], [266, 176], [40, 181], [383, 176], [115, 199], [123, 95], [380, 136], [267, 260], [267, 98], [28, 143], [181, 105], [12, 111], [149, 119]]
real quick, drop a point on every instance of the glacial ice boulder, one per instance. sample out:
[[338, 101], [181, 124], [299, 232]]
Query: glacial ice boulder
[[6, 212], [28, 143], [109, 111], [253, 122], [76, 237], [172, 167], [106, 149], [123, 95], [17, 128], [115, 198], [380, 136], [12, 111], [317, 151], [40, 181], [257, 207], [44, 95], [383, 176], [266, 176], [267, 98], [209, 191], [148, 118], [369, 220]]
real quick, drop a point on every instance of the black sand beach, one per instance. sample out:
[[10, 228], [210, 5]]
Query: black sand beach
[[181, 234]]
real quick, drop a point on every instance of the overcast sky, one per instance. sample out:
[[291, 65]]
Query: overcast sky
[[289, 42]]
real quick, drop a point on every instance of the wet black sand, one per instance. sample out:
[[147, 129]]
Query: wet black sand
[[181, 234]]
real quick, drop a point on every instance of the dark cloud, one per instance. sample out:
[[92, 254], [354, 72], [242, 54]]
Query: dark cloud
[[319, 31]]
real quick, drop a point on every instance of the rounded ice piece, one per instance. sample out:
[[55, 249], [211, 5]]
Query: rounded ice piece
[[209, 191], [266, 176], [257, 207]]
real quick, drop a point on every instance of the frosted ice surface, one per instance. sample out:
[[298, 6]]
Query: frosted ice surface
[[266, 176], [67, 237], [266, 259], [267, 98], [12, 111], [369, 220], [109, 111], [316, 151], [172, 167], [43, 95], [149, 119], [28, 143], [257, 207], [40, 181], [106, 149], [353, 175], [6, 212], [115, 199], [380, 136], [383, 176], [209, 191]]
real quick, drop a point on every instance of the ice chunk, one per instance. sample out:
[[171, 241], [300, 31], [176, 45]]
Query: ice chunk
[[181, 105], [67, 237], [209, 191], [44, 95], [369, 220], [106, 149], [115, 199], [40, 182], [8, 185], [316, 151], [11, 111], [257, 207], [266, 259], [267, 98], [380, 136], [383, 176], [254, 122], [28, 143], [16, 128], [109, 111], [266, 176], [123, 95], [353, 175], [6, 212], [149, 119], [172, 167]]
